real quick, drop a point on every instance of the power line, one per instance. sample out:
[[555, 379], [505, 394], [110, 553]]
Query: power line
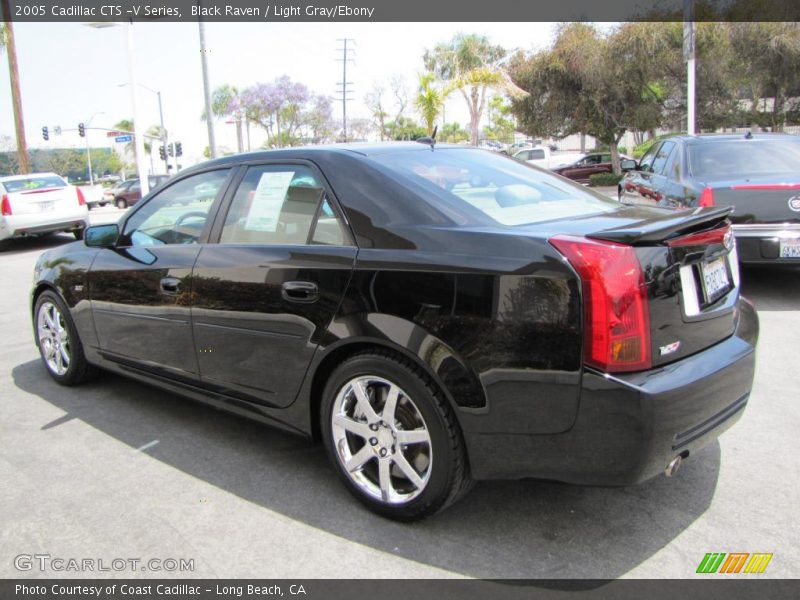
[[343, 85]]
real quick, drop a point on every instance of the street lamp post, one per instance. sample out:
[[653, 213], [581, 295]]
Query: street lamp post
[[138, 136], [88, 150]]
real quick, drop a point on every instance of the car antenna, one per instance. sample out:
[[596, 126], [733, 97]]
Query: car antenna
[[430, 140]]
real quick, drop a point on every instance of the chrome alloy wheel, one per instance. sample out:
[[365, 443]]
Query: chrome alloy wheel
[[53, 338], [381, 439]]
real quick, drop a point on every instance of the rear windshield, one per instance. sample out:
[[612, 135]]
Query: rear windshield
[[744, 158], [508, 191], [35, 182]]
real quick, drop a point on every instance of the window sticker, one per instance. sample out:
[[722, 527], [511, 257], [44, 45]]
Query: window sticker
[[268, 200]]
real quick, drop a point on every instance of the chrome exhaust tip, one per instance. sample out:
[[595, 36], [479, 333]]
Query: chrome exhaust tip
[[673, 466]]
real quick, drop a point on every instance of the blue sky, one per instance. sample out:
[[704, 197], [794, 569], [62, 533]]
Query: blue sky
[[69, 71]]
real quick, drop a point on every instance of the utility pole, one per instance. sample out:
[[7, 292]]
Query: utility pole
[[344, 83], [689, 56], [212, 144], [16, 96]]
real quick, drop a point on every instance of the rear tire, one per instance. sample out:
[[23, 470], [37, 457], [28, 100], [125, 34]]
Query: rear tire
[[59, 345], [121, 204], [392, 437], [78, 233]]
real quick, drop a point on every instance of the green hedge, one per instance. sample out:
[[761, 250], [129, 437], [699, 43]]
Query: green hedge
[[604, 179]]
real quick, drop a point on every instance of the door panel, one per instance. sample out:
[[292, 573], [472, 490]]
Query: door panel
[[141, 291], [256, 337], [138, 320]]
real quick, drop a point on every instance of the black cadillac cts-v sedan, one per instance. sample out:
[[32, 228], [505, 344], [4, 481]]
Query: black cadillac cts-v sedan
[[435, 315]]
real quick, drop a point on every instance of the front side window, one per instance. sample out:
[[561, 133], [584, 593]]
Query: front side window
[[646, 164], [281, 205], [176, 215], [662, 156]]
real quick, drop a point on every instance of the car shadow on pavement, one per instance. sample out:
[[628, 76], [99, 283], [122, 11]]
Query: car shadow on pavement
[[772, 287], [514, 529], [39, 242]]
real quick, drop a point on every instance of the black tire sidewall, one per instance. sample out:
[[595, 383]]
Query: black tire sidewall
[[77, 363], [441, 479]]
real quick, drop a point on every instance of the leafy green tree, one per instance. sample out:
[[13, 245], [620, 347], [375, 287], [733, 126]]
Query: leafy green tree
[[429, 100], [376, 104], [501, 119], [405, 129], [587, 82], [453, 133], [468, 63]]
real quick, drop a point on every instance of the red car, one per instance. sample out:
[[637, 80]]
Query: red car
[[591, 164]]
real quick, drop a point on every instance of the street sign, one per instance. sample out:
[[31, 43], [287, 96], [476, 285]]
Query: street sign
[[113, 133], [123, 138]]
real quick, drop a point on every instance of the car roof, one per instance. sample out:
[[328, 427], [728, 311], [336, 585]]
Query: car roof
[[358, 148], [710, 138], [27, 176]]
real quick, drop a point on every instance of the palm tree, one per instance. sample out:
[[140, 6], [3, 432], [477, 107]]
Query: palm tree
[[7, 43], [429, 100]]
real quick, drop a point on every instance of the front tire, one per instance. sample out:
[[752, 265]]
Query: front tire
[[59, 345], [392, 437]]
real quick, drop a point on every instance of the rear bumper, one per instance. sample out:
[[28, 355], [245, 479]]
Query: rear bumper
[[34, 224], [630, 427], [760, 243]]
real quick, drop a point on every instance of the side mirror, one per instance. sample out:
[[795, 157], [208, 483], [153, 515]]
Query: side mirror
[[101, 236], [627, 164]]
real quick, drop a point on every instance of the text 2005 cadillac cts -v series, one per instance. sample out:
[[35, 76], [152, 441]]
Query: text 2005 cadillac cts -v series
[[435, 315]]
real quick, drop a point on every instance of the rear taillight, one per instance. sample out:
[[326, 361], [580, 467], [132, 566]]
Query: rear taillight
[[6, 206], [81, 199], [616, 315], [702, 238], [706, 197]]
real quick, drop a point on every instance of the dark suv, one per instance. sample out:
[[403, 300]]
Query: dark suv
[[759, 175]]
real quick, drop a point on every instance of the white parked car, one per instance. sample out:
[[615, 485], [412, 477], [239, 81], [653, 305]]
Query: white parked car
[[539, 156], [40, 203]]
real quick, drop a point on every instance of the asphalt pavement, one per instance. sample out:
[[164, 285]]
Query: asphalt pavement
[[116, 469]]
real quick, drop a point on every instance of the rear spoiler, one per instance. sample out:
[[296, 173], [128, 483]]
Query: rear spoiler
[[661, 229]]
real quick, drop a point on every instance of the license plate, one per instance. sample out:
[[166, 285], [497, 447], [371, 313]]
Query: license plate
[[46, 206], [790, 249], [715, 279]]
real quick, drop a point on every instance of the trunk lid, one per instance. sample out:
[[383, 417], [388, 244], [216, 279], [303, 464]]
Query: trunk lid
[[691, 273], [773, 199], [43, 201], [689, 270]]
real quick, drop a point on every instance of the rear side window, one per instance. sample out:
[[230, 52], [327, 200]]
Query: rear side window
[[537, 154], [43, 182], [281, 205], [742, 158]]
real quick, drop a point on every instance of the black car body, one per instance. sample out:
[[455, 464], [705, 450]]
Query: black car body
[[582, 169], [548, 331], [758, 175]]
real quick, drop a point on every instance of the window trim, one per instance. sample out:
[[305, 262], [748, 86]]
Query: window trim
[[212, 211], [215, 232]]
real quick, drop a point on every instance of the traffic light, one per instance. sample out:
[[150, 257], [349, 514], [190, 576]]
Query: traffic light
[[81, 130], [45, 133], [178, 149], [171, 149], [162, 153]]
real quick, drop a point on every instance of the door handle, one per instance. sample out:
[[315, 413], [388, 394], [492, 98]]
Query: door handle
[[300, 291], [170, 285]]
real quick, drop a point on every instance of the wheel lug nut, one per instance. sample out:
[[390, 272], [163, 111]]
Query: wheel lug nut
[[373, 441], [374, 427], [383, 452]]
